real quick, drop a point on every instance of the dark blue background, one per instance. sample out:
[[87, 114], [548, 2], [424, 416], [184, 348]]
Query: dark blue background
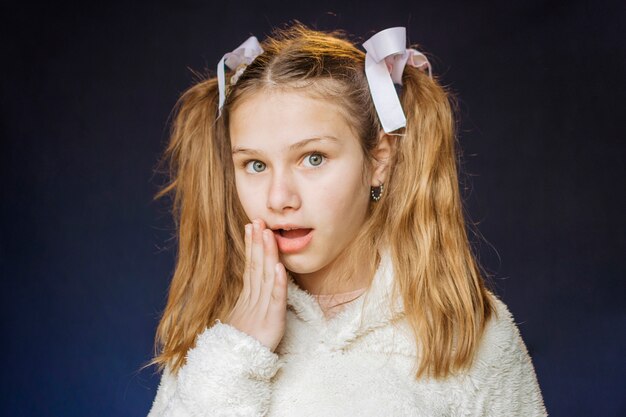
[[86, 255]]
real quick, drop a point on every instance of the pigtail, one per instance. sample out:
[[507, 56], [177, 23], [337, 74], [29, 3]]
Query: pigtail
[[445, 300], [199, 161]]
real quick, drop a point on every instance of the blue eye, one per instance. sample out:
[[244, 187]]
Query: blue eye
[[257, 166], [315, 159]]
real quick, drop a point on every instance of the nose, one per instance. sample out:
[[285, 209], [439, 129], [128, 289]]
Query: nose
[[283, 193]]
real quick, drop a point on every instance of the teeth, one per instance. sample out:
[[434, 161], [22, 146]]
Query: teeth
[[281, 231]]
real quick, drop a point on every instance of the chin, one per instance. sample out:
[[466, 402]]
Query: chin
[[300, 263]]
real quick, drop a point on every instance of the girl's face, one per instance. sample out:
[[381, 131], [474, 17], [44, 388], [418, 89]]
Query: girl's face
[[299, 166]]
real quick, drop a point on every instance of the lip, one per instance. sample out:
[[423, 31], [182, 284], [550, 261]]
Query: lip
[[292, 245], [288, 226]]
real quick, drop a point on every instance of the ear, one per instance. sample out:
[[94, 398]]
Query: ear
[[382, 153]]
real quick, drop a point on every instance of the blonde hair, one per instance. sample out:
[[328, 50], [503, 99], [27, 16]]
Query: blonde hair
[[420, 217]]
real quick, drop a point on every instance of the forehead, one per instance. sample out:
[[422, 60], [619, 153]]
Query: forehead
[[274, 120]]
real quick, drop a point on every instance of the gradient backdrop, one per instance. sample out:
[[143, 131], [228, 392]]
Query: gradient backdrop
[[86, 255]]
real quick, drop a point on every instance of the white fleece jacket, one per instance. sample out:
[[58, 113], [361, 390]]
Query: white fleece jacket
[[360, 363]]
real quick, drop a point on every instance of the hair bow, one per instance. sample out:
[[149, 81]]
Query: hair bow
[[385, 60], [244, 54]]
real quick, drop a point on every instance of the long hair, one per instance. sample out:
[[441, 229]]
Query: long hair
[[419, 219]]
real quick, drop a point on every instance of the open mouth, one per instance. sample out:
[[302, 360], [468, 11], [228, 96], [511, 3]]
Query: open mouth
[[292, 240], [294, 233]]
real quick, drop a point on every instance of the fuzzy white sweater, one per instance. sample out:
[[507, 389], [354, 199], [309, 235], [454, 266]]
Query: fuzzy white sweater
[[360, 363]]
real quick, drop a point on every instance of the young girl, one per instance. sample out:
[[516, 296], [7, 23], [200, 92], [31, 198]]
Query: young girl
[[323, 264]]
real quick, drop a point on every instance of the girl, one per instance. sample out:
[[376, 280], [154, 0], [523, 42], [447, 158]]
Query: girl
[[323, 264]]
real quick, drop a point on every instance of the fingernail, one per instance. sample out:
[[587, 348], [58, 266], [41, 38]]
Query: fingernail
[[247, 227], [256, 226]]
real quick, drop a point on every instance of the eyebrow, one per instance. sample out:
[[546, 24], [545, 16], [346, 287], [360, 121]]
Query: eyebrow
[[294, 147]]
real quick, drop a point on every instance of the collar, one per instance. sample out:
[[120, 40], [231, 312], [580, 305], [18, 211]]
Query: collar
[[372, 310]]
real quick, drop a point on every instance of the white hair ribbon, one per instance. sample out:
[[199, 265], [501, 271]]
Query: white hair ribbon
[[385, 60], [244, 54]]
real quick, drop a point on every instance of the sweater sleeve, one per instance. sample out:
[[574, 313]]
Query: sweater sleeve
[[227, 373], [503, 377]]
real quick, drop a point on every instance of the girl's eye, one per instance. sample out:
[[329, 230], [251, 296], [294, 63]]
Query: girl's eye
[[315, 159], [256, 166], [312, 160]]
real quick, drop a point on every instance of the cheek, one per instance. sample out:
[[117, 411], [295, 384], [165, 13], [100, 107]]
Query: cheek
[[248, 198], [344, 200]]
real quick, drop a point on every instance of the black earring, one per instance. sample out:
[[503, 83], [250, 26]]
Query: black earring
[[377, 192]]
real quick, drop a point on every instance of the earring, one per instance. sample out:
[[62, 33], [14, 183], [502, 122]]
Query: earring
[[377, 192]]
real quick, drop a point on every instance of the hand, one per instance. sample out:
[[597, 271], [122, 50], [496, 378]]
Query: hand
[[261, 308]]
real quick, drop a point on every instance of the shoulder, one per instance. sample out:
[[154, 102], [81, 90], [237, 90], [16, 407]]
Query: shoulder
[[501, 344], [165, 392], [501, 335], [502, 374]]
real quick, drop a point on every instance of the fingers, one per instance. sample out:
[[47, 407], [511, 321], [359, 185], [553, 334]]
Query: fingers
[[265, 277], [279, 292], [256, 261], [269, 262], [271, 257], [246, 273]]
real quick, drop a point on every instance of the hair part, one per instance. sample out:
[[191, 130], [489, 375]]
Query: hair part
[[420, 217]]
